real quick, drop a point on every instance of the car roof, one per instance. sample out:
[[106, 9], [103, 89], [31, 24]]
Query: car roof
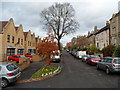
[[4, 63], [113, 57]]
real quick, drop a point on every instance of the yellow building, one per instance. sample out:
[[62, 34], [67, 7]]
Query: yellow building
[[14, 41]]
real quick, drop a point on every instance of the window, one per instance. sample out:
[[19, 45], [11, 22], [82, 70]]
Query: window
[[10, 51], [29, 50], [18, 40], [104, 60], [11, 67], [34, 50], [0, 68], [97, 44], [30, 43], [21, 41], [114, 30], [109, 60], [20, 51], [114, 41], [12, 39], [8, 38]]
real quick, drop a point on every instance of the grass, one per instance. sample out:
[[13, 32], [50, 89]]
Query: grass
[[43, 71]]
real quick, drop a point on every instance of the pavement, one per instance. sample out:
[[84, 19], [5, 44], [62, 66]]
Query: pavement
[[28, 72], [74, 74]]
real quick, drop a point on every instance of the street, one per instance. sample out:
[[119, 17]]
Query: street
[[75, 74]]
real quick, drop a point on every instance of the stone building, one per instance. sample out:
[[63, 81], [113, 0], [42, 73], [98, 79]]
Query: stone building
[[8, 36], [14, 41], [115, 29], [102, 37], [91, 36], [82, 41], [20, 40]]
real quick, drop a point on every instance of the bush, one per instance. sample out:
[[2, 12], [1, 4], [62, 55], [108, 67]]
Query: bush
[[117, 51], [93, 49], [108, 51]]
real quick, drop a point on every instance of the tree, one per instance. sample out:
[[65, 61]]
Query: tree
[[93, 49], [46, 48], [60, 18], [108, 51], [117, 51]]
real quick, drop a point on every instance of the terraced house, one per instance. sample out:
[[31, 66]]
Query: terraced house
[[115, 29], [102, 36], [14, 41]]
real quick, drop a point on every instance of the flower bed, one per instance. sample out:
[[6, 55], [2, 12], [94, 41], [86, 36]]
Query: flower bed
[[45, 71]]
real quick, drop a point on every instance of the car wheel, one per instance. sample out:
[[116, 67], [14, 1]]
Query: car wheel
[[4, 83], [107, 71]]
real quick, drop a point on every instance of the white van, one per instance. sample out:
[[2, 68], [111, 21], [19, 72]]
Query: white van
[[79, 54]]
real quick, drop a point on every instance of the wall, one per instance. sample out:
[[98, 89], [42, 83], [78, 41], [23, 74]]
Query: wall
[[1, 47]]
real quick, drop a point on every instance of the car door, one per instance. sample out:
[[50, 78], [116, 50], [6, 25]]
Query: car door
[[102, 63], [106, 63]]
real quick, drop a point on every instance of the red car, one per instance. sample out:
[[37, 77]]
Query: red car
[[92, 60], [28, 55], [15, 57]]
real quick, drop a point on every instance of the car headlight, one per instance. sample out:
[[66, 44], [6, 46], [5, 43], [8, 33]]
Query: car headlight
[[92, 60]]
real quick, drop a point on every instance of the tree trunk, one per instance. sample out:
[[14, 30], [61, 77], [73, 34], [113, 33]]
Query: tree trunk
[[59, 46]]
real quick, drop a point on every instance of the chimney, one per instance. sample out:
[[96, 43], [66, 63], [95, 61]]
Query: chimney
[[88, 32], [107, 23], [95, 28]]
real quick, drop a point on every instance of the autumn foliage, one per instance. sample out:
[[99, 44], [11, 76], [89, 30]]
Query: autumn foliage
[[46, 48]]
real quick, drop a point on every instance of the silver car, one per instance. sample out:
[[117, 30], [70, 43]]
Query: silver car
[[9, 73], [109, 64]]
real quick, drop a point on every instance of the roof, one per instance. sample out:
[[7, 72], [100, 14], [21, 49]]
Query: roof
[[2, 25], [113, 57], [103, 29], [16, 28]]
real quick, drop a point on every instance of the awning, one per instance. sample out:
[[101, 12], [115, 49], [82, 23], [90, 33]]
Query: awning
[[11, 47], [20, 48]]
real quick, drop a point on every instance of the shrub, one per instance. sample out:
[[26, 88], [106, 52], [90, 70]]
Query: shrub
[[108, 51], [117, 51], [93, 49]]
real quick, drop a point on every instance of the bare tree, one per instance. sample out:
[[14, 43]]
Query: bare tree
[[60, 17]]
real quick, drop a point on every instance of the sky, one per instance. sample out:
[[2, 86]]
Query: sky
[[88, 13]]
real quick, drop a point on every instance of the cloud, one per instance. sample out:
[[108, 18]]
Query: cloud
[[88, 13]]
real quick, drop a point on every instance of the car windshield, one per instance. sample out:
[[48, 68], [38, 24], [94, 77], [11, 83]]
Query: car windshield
[[22, 56], [17, 56], [86, 55], [11, 67], [117, 61], [95, 57]]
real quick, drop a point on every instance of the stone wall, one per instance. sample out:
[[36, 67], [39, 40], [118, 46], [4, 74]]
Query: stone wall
[[37, 58]]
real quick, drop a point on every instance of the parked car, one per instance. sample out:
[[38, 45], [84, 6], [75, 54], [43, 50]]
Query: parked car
[[56, 59], [29, 55], [84, 57], [17, 58], [79, 54], [109, 64], [67, 50], [9, 73], [92, 60]]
